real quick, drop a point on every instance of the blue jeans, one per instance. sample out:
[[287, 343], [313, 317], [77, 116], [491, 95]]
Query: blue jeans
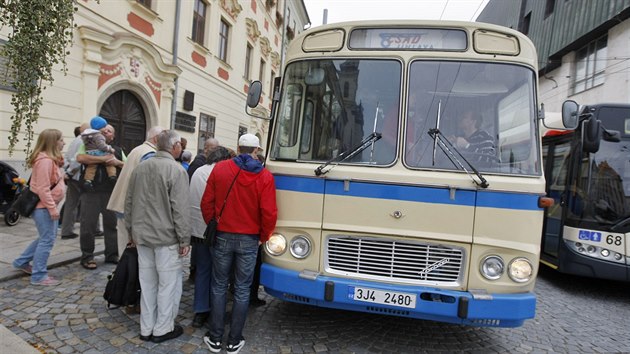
[[203, 274], [242, 251], [39, 250]]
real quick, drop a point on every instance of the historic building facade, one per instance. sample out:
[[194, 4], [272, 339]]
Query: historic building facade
[[181, 64]]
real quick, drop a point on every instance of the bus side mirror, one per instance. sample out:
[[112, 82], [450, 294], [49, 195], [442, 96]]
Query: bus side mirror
[[253, 94], [570, 114], [253, 97], [591, 134]]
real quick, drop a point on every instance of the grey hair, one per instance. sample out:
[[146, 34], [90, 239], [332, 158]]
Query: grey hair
[[154, 131], [167, 139]]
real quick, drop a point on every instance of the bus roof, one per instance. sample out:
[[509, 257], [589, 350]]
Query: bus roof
[[485, 40]]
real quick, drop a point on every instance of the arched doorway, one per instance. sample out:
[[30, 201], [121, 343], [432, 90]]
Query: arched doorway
[[124, 112]]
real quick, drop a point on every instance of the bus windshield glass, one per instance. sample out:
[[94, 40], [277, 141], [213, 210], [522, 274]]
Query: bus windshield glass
[[486, 111], [602, 193], [330, 106]]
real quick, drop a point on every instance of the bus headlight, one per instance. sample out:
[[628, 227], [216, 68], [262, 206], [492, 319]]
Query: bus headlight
[[520, 270], [300, 247], [276, 245], [492, 267]]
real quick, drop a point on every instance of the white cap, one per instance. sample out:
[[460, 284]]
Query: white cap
[[249, 140]]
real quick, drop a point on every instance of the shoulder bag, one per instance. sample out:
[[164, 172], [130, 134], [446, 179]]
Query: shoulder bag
[[27, 200], [209, 236]]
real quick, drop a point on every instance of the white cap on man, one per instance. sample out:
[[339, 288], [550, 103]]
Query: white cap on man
[[249, 140]]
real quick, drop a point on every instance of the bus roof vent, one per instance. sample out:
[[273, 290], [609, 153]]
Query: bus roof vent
[[325, 41], [489, 42]]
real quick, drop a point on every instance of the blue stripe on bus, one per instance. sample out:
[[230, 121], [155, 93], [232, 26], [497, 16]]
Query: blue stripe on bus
[[488, 199]]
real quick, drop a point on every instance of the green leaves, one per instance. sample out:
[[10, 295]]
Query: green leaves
[[41, 32]]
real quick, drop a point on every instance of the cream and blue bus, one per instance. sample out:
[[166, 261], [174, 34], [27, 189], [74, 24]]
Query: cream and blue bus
[[408, 169]]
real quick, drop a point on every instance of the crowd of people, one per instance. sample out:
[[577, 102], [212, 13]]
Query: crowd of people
[[160, 202]]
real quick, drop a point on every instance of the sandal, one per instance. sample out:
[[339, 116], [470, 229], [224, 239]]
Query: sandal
[[91, 265]]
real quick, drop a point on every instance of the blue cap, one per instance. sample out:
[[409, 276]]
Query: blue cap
[[98, 123]]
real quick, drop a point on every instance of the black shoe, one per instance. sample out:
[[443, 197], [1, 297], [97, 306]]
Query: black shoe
[[99, 233], [176, 332], [69, 237], [200, 319], [112, 261], [256, 302], [146, 338]]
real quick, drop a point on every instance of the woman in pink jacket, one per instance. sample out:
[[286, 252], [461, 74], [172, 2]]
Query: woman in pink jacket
[[48, 183]]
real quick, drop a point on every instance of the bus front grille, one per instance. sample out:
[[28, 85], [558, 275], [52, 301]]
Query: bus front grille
[[394, 260]]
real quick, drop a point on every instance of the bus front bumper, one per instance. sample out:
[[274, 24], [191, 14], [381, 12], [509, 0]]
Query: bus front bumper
[[460, 307]]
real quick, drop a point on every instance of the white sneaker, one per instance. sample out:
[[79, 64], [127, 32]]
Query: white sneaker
[[235, 348], [213, 346]]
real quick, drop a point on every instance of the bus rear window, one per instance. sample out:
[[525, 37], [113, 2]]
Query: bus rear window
[[409, 39]]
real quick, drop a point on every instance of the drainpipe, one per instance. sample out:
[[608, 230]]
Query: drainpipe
[[178, 5], [284, 29]]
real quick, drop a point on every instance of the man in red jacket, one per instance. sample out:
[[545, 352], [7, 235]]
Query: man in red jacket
[[241, 195]]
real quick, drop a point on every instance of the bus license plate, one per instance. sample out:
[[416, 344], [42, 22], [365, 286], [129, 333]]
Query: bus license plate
[[375, 296]]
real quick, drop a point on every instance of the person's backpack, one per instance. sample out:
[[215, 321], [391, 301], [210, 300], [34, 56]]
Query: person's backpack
[[123, 285]]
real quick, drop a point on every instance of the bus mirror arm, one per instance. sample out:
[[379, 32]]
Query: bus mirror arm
[[369, 140], [447, 147]]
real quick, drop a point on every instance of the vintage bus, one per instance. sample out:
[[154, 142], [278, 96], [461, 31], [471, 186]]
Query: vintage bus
[[408, 170], [587, 230]]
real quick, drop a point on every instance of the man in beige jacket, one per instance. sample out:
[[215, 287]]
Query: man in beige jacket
[[117, 199]]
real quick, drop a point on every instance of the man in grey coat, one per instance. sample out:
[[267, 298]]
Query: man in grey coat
[[157, 218]]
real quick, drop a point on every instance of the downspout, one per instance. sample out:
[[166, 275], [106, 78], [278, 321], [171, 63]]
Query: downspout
[[284, 28], [178, 5]]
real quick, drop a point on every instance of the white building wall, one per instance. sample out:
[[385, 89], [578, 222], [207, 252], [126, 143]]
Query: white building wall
[[555, 87], [105, 35]]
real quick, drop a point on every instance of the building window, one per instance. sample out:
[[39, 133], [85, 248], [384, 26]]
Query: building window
[[146, 3], [273, 77], [224, 36], [241, 130], [199, 21], [248, 62], [261, 76], [549, 7], [7, 76], [207, 125], [590, 65]]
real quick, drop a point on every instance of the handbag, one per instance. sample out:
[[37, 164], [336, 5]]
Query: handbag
[[209, 236], [27, 200]]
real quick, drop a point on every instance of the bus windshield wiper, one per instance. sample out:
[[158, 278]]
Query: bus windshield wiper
[[372, 138], [447, 147]]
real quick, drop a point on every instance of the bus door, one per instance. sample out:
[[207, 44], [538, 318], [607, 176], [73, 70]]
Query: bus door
[[556, 152]]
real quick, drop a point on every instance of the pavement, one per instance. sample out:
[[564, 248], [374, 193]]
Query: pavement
[[13, 240]]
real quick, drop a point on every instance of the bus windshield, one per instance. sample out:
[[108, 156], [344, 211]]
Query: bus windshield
[[485, 110], [330, 106], [602, 191]]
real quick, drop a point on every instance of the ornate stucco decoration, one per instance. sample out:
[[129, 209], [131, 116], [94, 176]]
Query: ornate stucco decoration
[[127, 57], [265, 46], [252, 29], [275, 59], [232, 7]]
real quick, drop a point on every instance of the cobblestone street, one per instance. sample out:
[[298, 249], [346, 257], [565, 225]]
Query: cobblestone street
[[573, 316]]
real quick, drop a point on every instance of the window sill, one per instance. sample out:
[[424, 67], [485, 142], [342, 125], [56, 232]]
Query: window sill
[[224, 64], [198, 47], [148, 13]]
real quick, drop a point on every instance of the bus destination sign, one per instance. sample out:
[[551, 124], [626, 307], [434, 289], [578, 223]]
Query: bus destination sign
[[408, 39]]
